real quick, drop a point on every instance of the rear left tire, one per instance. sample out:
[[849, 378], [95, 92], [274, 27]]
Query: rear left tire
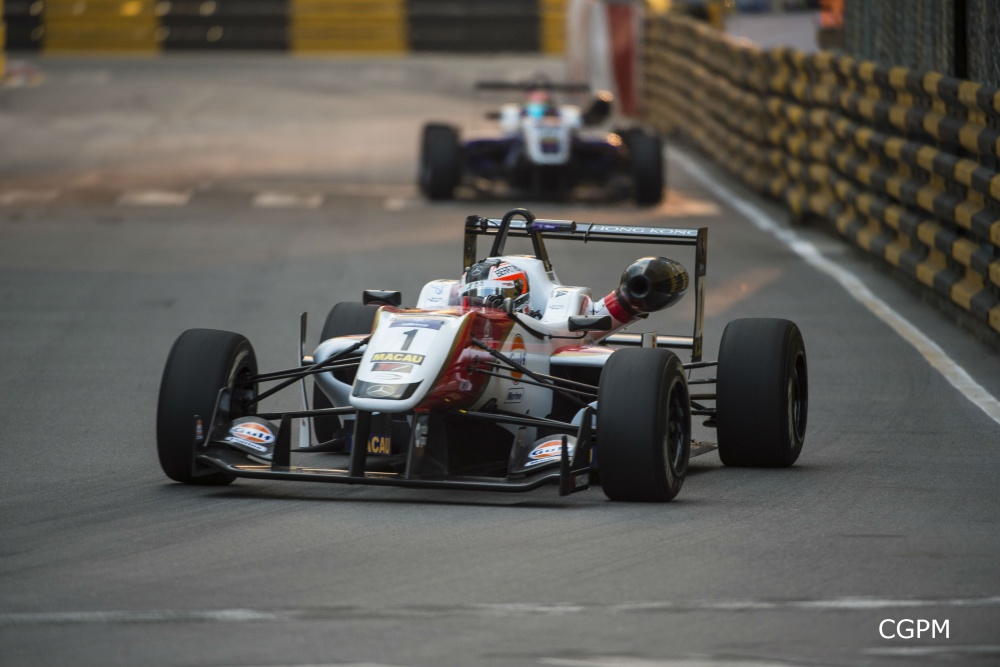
[[762, 393]]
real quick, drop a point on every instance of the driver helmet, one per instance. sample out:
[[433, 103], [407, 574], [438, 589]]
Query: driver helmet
[[490, 282], [538, 103]]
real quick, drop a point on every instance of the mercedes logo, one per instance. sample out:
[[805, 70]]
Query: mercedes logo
[[381, 390]]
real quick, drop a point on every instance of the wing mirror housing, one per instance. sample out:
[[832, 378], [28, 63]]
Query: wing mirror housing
[[382, 297], [599, 109]]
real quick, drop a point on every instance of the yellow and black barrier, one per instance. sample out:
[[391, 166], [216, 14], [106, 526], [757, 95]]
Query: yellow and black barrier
[[300, 26], [903, 163]]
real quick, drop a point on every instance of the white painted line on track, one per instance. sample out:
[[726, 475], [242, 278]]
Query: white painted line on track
[[154, 198], [27, 197], [395, 203], [275, 199], [330, 664], [957, 376], [622, 661], [937, 650], [89, 78], [513, 610]]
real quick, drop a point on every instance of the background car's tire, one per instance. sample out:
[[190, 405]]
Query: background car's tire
[[762, 393], [440, 161], [643, 425], [201, 362], [344, 319], [646, 166]]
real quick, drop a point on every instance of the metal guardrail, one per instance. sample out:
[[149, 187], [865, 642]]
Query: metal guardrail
[[903, 163]]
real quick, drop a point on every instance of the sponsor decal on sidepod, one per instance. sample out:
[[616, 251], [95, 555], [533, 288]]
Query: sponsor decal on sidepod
[[251, 434], [514, 395], [517, 354]]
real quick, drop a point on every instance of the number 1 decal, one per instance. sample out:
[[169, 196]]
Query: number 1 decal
[[409, 335]]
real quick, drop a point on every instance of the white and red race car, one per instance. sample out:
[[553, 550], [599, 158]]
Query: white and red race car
[[504, 380]]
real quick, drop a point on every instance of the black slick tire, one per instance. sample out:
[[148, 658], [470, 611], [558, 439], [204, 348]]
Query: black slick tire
[[643, 425], [440, 161], [762, 393], [200, 363], [344, 319], [645, 166]]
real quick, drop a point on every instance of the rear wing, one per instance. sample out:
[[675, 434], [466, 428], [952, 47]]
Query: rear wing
[[526, 86], [538, 230]]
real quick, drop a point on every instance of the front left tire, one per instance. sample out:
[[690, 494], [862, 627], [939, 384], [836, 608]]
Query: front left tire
[[643, 425], [344, 319]]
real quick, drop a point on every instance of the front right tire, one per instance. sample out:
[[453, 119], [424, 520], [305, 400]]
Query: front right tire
[[440, 161], [201, 362], [646, 166]]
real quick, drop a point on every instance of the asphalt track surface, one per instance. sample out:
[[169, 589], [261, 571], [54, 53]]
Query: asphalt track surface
[[142, 198]]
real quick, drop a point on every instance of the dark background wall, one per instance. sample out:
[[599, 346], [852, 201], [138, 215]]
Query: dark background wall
[[955, 37], [314, 26]]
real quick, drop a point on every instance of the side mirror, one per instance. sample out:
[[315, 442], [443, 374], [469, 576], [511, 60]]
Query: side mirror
[[583, 323], [508, 306], [599, 109], [382, 297]]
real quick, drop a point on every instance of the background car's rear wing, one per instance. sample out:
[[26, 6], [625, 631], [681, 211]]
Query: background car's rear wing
[[534, 84], [538, 229]]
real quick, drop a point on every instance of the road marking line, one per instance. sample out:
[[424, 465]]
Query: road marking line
[[397, 203], [513, 609], [623, 661], [154, 198], [731, 292], [27, 197], [677, 204], [274, 199], [910, 651], [89, 78], [957, 376]]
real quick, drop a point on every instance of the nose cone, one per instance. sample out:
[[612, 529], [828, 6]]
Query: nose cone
[[653, 283]]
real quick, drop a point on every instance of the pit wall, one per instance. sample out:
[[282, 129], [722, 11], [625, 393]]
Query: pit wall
[[301, 26], [903, 163]]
